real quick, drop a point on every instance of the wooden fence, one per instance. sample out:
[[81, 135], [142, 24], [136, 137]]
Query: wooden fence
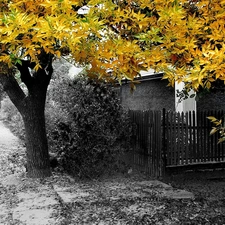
[[169, 139]]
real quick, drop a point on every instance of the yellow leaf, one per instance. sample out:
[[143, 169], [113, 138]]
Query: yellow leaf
[[208, 85], [37, 66], [212, 118], [213, 131], [221, 140], [58, 54]]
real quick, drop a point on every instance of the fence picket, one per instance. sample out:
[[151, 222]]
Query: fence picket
[[222, 144], [217, 137], [173, 137], [177, 141], [200, 136], [186, 139], [215, 150], [210, 140], [182, 139], [167, 138], [194, 137], [154, 158]]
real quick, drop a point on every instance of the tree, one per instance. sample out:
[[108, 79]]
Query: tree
[[116, 39]]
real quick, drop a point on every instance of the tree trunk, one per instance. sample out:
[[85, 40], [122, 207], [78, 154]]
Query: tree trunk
[[38, 164], [33, 113], [32, 107]]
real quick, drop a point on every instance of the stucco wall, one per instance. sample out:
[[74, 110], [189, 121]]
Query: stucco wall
[[149, 95], [212, 101]]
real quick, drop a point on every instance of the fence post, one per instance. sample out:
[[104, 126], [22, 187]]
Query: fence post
[[164, 142], [133, 137]]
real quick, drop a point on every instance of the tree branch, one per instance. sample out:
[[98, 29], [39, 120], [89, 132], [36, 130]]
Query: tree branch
[[47, 69], [12, 88], [25, 75]]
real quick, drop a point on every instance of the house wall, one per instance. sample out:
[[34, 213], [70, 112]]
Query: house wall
[[211, 101], [149, 95]]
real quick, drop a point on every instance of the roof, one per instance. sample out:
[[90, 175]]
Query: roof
[[146, 76]]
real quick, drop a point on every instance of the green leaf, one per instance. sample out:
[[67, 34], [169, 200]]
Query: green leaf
[[18, 61]]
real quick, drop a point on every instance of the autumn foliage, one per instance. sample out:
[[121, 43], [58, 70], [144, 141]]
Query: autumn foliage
[[183, 38], [114, 39]]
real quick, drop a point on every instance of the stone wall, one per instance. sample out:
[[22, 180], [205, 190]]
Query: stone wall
[[149, 95]]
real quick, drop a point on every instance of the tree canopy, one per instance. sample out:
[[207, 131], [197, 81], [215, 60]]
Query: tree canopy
[[117, 39]]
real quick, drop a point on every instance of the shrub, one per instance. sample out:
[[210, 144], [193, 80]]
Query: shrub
[[90, 129]]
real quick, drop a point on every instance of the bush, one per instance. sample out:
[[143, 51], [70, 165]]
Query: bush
[[90, 129]]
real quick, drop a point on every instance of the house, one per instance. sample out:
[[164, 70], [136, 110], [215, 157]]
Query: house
[[152, 93]]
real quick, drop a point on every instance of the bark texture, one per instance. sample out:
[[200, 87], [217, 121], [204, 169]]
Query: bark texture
[[38, 164]]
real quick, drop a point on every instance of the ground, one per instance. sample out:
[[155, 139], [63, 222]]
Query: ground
[[134, 198], [209, 190]]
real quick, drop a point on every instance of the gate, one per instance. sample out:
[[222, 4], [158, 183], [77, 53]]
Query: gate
[[147, 142]]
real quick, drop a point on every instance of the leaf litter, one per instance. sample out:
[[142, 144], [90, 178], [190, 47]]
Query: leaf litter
[[121, 199]]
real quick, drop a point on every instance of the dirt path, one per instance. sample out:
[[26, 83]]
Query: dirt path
[[10, 145]]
